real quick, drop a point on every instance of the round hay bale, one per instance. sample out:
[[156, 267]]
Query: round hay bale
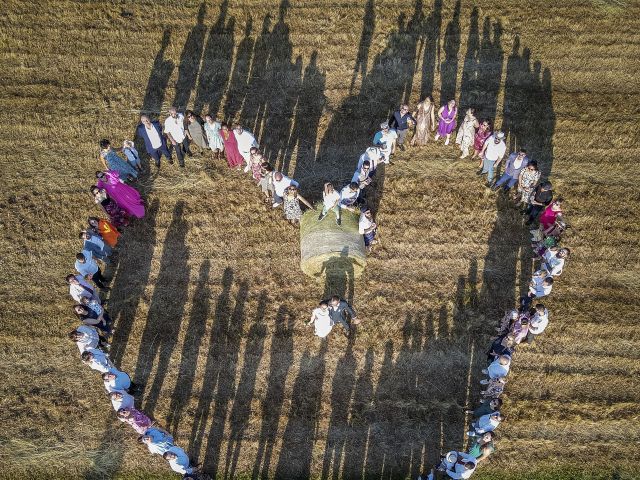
[[328, 250]]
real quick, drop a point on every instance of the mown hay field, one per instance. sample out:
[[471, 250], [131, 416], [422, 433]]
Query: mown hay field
[[208, 295]]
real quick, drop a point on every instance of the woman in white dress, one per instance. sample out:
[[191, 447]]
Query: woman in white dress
[[212, 129], [467, 131], [321, 320]]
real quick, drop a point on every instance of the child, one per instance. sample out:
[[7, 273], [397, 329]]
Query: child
[[131, 153]]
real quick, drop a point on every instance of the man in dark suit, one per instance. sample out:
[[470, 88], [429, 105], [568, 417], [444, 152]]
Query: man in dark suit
[[154, 141], [338, 311]]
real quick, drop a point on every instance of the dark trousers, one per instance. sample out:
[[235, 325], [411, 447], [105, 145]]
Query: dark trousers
[[158, 152], [340, 319], [533, 211], [98, 279], [181, 150]]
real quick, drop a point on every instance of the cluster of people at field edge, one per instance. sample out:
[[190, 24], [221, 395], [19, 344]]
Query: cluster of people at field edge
[[121, 202]]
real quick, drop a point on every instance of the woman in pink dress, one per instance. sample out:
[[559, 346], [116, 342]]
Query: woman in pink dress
[[447, 120], [483, 132], [126, 197], [551, 213], [231, 152]]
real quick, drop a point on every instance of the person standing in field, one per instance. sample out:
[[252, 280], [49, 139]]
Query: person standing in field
[[245, 142], [178, 461], [117, 215], [447, 121], [321, 320], [483, 132], [367, 228], [107, 232], [527, 181], [399, 121], [280, 184], [541, 196], [88, 268], [553, 260], [492, 152], [195, 132], [154, 141], [538, 323], [129, 150], [112, 161], [96, 245], [292, 210], [467, 131], [425, 122], [349, 196], [330, 201], [124, 195], [175, 131], [231, 152], [212, 129], [340, 311], [79, 287], [385, 140], [516, 162]]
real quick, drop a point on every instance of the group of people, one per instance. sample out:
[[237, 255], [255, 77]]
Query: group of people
[[120, 202]]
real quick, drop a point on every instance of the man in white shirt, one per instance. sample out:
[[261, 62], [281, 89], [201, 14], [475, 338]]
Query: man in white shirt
[[367, 228], [79, 287], [154, 142], [115, 380], [85, 337], [457, 465], [538, 322], [363, 176], [246, 141], [553, 260], [499, 368], [492, 152], [174, 129], [280, 184], [374, 155], [541, 284], [349, 196]]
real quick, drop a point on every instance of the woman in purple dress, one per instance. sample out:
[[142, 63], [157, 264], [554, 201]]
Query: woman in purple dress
[[125, 196], [447, 120]]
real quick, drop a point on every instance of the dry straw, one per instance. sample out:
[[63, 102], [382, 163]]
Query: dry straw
[[328, 249]]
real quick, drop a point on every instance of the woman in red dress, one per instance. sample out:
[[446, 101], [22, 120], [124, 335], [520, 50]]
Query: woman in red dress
[[483, 132], [231, 152]]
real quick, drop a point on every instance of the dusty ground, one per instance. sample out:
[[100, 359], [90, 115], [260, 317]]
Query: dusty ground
[[208, 296]]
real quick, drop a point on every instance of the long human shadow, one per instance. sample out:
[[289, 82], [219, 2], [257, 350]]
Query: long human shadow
[[339, 276], [166, 309], [191, 348], [432, 27], [298, 436], [362, 57], [449, 66], [217, 58], [239, 81], [189, 64], [280, 361], [217, 340], [241, 409], [382, 89]]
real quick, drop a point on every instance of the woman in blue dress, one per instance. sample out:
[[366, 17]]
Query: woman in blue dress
[[112, 161]]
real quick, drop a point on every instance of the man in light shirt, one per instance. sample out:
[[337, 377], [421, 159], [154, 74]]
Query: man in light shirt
[[115, 380], [538, 322], [486, 423], [85, 337], [121, 399], [553, 260], [492, 152], [88, 268], [458, 465], [385, 140], [349, 196], [541, 284], [246, 141], [95, 244], [280, 184], [367, 228], [79, 287], [374, 155], [178, 460], [174, 129], [499, 368], [154, 142], [364, 176], [157, 441], [96, 360]]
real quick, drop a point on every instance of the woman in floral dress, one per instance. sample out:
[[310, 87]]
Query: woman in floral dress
[[527, 181], [212, 129]]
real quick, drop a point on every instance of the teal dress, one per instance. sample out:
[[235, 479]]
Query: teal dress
[[476, 450], [114, 162]]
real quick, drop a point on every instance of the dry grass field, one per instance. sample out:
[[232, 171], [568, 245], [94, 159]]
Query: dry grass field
[[208, 295]]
